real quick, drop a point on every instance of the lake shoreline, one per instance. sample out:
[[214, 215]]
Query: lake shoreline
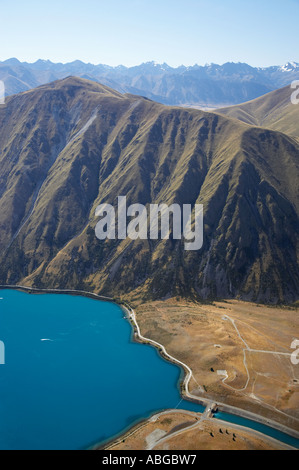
[[184, 391], [136, 428]]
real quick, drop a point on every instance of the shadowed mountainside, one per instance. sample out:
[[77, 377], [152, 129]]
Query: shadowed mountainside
[[68, 146]]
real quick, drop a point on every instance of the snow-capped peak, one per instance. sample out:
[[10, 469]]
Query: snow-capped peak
[[289, 67]]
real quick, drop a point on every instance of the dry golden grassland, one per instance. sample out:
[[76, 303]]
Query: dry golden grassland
[[248, 342], [171, 432]]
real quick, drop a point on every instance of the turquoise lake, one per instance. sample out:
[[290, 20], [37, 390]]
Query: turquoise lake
[[72, 375]]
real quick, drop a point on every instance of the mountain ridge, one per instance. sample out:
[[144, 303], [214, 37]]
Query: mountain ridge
[[274, 111], [71, 145]]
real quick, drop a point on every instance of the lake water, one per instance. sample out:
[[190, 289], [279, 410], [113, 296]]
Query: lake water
[[72, 375]]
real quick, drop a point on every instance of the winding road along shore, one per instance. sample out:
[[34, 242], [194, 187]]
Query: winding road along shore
[[209, 404]]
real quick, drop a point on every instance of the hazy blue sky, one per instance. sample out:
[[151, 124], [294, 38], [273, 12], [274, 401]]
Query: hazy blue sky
[[259, 32]]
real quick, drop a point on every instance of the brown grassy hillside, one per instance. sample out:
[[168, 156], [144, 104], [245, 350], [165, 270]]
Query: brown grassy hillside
[[68, 146]]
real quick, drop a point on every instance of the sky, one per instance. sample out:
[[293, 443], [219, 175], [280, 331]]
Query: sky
[[129, 32]]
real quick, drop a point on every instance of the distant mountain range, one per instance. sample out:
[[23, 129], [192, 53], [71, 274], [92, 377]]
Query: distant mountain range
[[70, 145], [203, 86]]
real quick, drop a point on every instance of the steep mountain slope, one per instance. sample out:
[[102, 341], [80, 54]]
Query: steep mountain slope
[[71, 145], [209, 86], [273, 111]]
